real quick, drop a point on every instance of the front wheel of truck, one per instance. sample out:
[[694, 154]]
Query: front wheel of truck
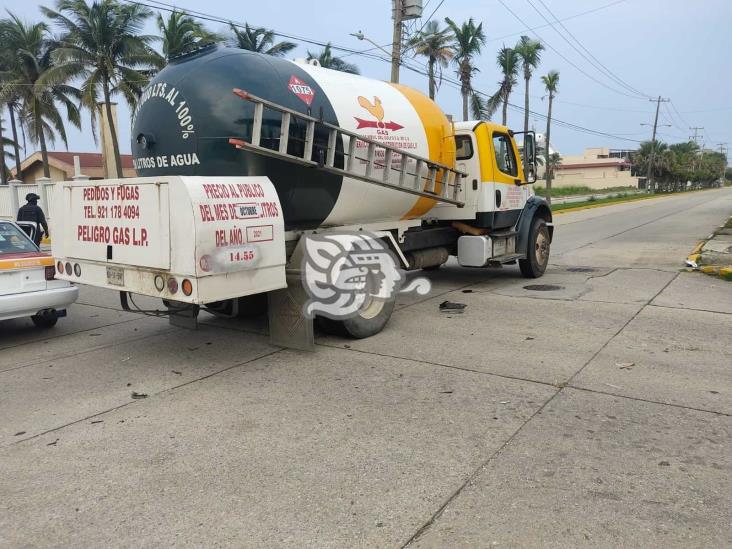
[[537, 250]]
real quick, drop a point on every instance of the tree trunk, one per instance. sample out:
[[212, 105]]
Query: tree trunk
[[431, 76], [44, 152], [549, 173], [3, 173], [465, 106], [505, 110], [526, 104], [112, 129], [16, 146]]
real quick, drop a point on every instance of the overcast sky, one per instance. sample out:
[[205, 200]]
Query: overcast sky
[[674, 48]]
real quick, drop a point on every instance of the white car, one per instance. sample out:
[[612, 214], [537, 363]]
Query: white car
[[28, 286]]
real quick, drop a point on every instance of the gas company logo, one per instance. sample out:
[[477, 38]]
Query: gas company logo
[[376, 110], [301, 89]]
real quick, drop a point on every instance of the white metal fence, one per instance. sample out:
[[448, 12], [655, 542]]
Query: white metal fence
[[12, 197]]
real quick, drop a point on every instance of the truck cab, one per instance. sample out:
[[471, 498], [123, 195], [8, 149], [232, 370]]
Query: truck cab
[[496, 186]]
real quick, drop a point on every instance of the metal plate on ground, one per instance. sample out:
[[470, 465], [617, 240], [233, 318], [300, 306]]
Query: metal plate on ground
[[543, 287]]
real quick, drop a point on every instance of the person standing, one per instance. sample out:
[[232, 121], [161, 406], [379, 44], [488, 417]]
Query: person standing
[[33, 212]]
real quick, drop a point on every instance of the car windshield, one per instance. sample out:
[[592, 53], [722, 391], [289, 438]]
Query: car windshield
[[14, 240]]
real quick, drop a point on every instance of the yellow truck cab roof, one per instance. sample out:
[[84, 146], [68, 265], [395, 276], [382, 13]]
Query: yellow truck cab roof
[[470, 125]]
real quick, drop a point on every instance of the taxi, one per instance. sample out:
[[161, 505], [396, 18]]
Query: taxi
[[28, 284]]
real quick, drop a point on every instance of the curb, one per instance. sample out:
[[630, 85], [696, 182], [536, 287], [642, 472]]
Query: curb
[[694, 258]]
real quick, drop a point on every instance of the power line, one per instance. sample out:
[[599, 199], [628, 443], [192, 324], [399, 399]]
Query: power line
[[455, 84], [598, 107], [602, 67], [565, 19], [673, 106], [547, 44], [155, 4], [431, 14]]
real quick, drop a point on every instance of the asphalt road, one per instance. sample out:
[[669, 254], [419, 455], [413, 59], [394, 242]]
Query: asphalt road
[[593, 414]]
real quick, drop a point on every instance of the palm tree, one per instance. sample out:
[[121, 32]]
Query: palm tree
[[555, 160], [436, 45], [467, 44], [4, 142], [103, 45], [478, 107], [529, 53], [8, 97], [26, 80], [258, 39], [180, 33], [327, 60], [508, 61], [551, 83]]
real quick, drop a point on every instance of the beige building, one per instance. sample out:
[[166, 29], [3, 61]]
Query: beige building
[[597, 168], [61, 165]]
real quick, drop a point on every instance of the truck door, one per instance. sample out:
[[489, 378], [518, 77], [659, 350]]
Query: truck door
[[468, 162]]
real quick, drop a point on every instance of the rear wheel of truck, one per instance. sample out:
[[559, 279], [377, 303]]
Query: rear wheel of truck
[[537, 250], [370, 320]]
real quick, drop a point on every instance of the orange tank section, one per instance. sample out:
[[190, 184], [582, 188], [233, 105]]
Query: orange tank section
[[440, 139]]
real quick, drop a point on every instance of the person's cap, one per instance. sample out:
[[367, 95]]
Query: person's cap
[[32, 196]]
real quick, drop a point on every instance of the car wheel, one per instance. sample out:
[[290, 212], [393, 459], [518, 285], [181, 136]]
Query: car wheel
[[44, 321], [537, 250]]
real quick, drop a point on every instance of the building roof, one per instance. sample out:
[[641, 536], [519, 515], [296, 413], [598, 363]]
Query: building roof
[[88, 160], [91, 164]]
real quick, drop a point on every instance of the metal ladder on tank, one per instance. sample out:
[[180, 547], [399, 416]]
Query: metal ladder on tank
[[426, 178]]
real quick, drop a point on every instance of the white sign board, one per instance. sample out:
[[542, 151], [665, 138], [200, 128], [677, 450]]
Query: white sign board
[[125, 223]]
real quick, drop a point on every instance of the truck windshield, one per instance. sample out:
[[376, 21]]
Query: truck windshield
[[13, 240]]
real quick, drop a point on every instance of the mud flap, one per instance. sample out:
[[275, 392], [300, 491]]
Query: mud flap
[[288, 326], [184, 317]]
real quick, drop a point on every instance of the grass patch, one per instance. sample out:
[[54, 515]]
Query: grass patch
[[599, 201], [574, 190]]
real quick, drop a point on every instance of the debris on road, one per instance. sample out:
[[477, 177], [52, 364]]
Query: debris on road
[[19, 433], [137, 395], [451, 307], [625, 365], [53, 443], [176, 372]]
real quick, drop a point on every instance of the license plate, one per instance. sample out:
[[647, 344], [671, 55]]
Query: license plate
[[116, 276]]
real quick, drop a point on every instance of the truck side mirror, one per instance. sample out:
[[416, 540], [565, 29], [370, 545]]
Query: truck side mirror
[[530, 157]]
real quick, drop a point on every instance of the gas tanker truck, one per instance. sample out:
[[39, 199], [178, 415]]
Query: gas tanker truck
[[242, 158]]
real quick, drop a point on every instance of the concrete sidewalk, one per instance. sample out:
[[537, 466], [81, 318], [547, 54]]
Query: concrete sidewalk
[[594, 410]]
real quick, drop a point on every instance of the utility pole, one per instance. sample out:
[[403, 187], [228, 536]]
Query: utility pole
[[696, 136], [649, 184], [723, 152], [396, 45]]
